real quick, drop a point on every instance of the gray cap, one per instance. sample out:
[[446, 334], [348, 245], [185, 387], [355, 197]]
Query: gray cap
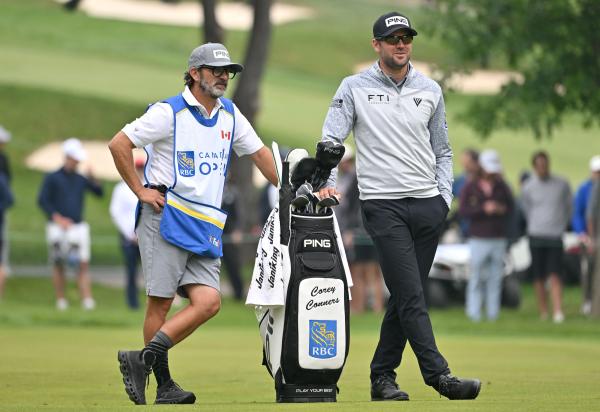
[[212, 54]]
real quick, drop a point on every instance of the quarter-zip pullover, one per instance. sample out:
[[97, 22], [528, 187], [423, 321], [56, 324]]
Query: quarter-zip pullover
[[400, 132]]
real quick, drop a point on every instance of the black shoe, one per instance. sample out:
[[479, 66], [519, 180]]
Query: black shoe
[[385, 388], [135, 374], [170, 392], [454, 388]]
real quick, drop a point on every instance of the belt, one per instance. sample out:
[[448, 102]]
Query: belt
[[161, 188]]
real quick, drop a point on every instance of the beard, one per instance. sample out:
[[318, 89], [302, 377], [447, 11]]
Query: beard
[[393, 64], [213, 91]]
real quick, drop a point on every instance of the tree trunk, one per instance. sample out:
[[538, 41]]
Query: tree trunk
[[71, 5], [211, 29], [247, 99], [246, 95]]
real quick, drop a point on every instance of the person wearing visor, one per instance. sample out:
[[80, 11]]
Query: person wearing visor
[[189, 139], [404, 170]]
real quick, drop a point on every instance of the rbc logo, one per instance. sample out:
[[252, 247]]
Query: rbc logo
[[185, 161], [322, 341]]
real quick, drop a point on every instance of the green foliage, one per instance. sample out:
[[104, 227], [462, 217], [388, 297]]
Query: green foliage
[[555, 45]]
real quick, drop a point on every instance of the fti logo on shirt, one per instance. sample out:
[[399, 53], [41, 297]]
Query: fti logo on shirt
[[378, 98], [185, 161], [323, 339]]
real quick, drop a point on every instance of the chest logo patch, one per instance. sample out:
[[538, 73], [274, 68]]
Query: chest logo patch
[[417, 100], [185, 161]]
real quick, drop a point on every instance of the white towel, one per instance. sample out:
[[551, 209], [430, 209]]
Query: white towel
[[272, 266], [267, 286]]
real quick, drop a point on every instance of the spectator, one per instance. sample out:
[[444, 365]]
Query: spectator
[[269, 199], [546, 200], [593, 228], [362, 257], [469, 161], [6, 201], [232, 238], [487, 202], [5, 137], [123, 206], [579, 224], [61, 197]]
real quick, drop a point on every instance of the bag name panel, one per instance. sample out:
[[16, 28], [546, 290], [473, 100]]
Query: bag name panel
[[321, 323]]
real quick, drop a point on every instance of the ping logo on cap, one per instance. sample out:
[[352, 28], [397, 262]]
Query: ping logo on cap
[[392, 21], [221, 54]]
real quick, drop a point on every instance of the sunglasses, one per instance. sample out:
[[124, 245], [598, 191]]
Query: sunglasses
[[394, 40], [218, 71]]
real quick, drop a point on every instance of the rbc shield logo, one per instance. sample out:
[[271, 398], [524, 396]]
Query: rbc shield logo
[[185, 161], [323, 339]]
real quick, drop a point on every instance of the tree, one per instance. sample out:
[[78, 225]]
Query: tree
[[213, 32], [247, 95], [555, 45]]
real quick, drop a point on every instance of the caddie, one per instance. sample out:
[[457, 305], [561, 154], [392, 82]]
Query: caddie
[[189, 138]]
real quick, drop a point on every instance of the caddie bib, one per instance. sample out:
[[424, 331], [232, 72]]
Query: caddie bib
[[192, 217]]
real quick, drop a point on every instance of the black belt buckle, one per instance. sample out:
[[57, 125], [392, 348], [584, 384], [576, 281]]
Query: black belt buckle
[[161, 188]]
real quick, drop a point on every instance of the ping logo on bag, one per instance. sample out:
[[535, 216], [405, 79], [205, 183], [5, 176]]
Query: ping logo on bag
[[316, 242], [323, 339], [185, 161]]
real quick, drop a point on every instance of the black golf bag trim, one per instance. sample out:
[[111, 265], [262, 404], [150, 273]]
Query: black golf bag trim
[[314, 345]]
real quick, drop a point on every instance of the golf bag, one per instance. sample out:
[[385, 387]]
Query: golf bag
[[306, 340]]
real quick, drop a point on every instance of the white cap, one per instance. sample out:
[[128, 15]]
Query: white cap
[[74, 149], [595, 164], [4, 135], [490, 161]]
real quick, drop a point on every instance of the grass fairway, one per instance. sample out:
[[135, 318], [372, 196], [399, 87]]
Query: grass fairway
[[67, 361]]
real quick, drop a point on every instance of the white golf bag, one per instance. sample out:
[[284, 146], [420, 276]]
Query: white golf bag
[[306, 340]]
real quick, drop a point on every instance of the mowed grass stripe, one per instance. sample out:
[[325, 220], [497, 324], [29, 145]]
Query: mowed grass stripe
[[78, 369]]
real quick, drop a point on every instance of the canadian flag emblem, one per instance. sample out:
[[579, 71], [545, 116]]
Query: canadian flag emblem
[[225, 136]]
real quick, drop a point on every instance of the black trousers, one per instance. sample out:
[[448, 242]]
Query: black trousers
[[406, 233], [231, 260], [131, 254]]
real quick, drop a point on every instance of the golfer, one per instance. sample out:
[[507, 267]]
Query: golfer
[[188, 138], [404, 170]]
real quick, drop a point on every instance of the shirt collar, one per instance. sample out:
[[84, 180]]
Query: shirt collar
[[376, 70], [191, 100]]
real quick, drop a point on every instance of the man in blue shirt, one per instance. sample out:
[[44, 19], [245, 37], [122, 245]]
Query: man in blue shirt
[[68, 236]]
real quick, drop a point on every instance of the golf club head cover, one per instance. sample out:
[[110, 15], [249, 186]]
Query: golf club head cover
[[303, 171], [328, 155]]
